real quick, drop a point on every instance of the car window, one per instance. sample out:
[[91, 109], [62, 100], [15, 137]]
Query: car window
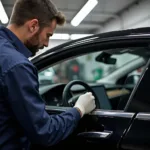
[[86, 68], [118, 72]]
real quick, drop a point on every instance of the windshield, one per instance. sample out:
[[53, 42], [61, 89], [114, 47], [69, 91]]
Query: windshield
[[89, 68], [121, 61]]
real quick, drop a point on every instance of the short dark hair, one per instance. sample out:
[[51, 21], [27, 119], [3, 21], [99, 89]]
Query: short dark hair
[[43, 10]]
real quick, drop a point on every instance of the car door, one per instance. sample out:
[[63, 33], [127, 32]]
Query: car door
[[102, 128], [137, 136]]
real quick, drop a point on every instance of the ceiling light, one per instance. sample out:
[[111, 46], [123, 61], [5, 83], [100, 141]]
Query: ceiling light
[[87, 8], [59, 36], [78, 36], [3, 16]]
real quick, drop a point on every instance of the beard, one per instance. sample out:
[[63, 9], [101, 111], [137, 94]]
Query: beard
[[34, 48]]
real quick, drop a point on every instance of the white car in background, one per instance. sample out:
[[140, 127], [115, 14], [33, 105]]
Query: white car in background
[[46, 77]]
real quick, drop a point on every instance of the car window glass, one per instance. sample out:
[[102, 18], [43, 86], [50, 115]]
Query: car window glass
[[115, 72], [85, 68]]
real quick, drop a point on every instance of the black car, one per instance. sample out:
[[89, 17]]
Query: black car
[[115, 67]]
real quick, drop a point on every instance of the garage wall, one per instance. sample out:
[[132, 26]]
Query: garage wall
[[136, 16]]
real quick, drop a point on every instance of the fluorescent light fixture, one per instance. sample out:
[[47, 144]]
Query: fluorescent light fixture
[[3, 16], [87, 8], [59, 36], [78, 36]]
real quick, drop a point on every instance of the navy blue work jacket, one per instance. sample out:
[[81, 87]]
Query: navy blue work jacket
[[23, 118]]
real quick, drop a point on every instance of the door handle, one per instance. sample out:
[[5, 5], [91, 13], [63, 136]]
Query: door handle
[[99, 135]]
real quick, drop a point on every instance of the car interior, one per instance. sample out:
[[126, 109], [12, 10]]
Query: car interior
[[108, 97]]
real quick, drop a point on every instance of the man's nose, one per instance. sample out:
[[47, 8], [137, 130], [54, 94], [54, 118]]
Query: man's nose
[[46, 44]]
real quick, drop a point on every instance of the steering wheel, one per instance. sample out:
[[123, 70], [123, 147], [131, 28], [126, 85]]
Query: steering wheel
[[69, 100]]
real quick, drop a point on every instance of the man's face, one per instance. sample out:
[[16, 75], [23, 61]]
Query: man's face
[[40, 38]]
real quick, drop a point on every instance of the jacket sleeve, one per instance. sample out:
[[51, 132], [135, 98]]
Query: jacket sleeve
[[21, 86]]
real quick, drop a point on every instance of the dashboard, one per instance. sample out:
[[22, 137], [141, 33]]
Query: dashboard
[[52, 94], [110, 97]]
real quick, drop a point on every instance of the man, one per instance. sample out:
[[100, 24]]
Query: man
[[23, 119]]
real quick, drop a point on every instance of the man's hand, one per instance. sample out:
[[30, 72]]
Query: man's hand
[[85, 103]]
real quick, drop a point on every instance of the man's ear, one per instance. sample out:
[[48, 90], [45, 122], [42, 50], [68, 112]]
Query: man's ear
[[33, 26]]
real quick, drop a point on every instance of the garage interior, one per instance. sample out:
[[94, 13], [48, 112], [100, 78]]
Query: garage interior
[[105, 16]]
